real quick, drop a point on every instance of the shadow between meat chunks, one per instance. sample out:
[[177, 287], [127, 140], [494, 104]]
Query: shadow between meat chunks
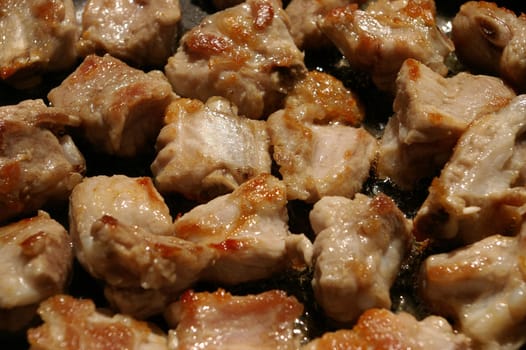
[[482, 288], [121, 108], [36, 258], [207, 149], [37, 37], [381, 37], [141, 33], [480, 191], [491, 39], [39, 163], [357, 253], [431, 112], [244, 53]]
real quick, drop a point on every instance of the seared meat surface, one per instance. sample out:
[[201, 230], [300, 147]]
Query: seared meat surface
[[36, 37], [382, 329], [492, 39], [381, 37], [36, 258], [318, 150], [220, 320], [142, 33], [121, 108], [357, 253], [431, 112], [72, 324], [39, 163], [206, 150], [244, 53], [248, 231], [481, 287], [480, 191]]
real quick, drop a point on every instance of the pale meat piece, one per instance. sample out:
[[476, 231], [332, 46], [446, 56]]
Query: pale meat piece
[[72, 324], [491, 39], [37, 37], [480, 191], [304, 16], [248, 231], [482, 287], [381, 37], [382, 329], [122, 233], [430, 114], [36, 258], [39, 162], [318, 150], [359, 247], [244, 53], [142, 33], [206, 150], [223, 321], [121, 108]]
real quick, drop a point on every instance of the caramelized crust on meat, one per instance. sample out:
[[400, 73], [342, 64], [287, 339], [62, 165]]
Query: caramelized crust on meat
[[121, 108], [72, 324], [37, 166], [381, 37], [220, 320], [36, 37], [36, 258], [381, 329], [141, 33], [244, 53]]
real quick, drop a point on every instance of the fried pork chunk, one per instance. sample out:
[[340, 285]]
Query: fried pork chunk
[[206, 150], [318, 150], [304, 16], [39, 163], [121, 230], [142, 33], [480, 191], [248, 231], [357, 253], [72, 324], [37, 36], [482, 287], [36, 257], [431, 112], [220, 320], [121, 108], [383, 330], [244, 53], [491, 39], [381, 37]]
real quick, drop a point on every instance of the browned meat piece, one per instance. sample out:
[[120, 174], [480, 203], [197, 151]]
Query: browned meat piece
[[381, 37], [72, 324], [317, 149], [36, 37], [431, 112], [304, 16], [121, 108], [248, 231], [39, 164], [142, 33], [220, 320], [357, 253], [480, 191], [482, 287], [244, 53], [491, 39], [36, 258], [381, 329], [206, 150]]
